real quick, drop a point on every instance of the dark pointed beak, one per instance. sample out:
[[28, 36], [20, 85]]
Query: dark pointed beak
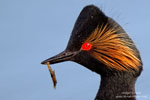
[[61, 57]]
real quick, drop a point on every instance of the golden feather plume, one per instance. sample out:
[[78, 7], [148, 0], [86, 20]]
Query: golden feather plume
[[112, 48]]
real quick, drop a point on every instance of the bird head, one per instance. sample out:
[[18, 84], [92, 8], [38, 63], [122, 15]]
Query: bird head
[[100, 44]]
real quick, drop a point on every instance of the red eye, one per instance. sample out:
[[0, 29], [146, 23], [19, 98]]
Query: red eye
[[86, 46]]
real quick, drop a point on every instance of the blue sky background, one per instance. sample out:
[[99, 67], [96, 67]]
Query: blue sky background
[[33, 30]]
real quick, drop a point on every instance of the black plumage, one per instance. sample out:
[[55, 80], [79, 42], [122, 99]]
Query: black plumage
[[112, 55]]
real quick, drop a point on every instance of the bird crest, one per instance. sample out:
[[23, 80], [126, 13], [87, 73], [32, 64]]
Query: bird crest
[[112, 48]]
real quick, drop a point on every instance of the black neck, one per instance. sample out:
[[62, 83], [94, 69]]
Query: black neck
[[117, 87]]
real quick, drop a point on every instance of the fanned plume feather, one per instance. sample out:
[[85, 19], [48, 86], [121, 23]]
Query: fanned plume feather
[[112, 48]]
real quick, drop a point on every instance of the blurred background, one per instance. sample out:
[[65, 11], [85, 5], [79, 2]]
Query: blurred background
[[34, 30]]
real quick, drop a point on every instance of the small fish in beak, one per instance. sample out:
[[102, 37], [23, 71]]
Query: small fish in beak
[[52, 73]]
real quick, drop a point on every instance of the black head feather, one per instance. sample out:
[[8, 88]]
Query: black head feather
[[94, 24]]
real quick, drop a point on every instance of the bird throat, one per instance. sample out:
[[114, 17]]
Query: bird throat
[[117, 87]]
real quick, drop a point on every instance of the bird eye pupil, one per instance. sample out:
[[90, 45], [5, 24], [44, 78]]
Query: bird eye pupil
[[86, 46]]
